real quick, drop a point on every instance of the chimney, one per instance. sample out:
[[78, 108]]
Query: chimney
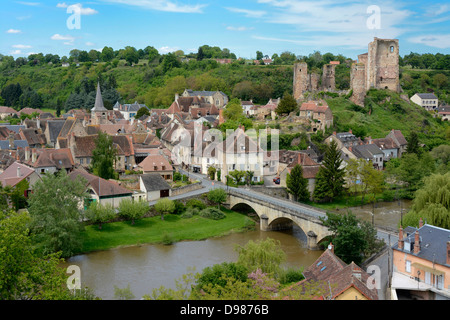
[[18, 171], [177, 96], [448, 253], [401, 242], [38, 123], [11, 141], [370, 140], [334, 133], [420, 223], [416, 242], [331, 247], [27, 153], [33, 155]]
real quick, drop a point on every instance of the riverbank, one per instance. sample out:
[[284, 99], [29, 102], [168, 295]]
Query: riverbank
[[156, 231]]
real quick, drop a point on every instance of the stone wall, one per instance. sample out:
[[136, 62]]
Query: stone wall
[[357, 82], [301, 81], [186, 189]]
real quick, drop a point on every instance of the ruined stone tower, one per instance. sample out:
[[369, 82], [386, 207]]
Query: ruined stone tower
[[383, 67], [380, 67], [329, 77], [301, 81]]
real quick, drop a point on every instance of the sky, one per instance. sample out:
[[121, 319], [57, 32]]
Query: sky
[[244, 26]]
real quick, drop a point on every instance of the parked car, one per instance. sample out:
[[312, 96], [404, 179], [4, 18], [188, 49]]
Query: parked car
[[276, 180]]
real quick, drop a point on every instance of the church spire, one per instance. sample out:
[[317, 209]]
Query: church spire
[[98, 107]]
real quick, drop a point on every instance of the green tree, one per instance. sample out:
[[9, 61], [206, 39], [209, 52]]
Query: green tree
[[218, 196], [164, 206], [237, 175], [104, 157], [330, 178], [249, 177], [266, 255], [233, 110], [123, 294], [141, 112], [440, 80], [413, 144], [99, 214], [170, 61], [56, 217], [24, 274], [431, 203], [297, 185], [218, 273], [287, 104], [348, 236], [133, 210], [131, 55], [372, 181], [212, 173]]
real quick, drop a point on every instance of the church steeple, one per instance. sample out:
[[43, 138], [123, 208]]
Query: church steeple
[[99, 107]]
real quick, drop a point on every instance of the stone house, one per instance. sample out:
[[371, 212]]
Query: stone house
[[128, 111], [47, 160], [444, 113], [156, 163], [428, 101], [154, 186], [17, 172], [421, 263], [369, 152], [320, 114], [100, 190], [217, 98], [6, 112], [399, 139], [390, 149], [339, 280]]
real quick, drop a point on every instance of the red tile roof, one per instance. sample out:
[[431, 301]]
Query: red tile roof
[[10, 176], [102, 187], [155, 163]]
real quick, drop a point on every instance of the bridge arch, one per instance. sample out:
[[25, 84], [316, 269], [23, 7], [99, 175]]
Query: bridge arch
[[275, 217]]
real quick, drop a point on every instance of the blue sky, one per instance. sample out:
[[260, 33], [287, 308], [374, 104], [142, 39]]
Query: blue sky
[[270, 26]]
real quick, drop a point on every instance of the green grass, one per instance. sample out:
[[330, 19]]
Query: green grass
[[154, 230]]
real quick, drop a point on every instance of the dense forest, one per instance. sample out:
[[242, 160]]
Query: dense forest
[[144, 75]]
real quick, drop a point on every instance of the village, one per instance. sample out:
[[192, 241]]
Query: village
[[184, 140]]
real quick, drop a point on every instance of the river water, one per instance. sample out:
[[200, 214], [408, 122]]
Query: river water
[[147, 267]]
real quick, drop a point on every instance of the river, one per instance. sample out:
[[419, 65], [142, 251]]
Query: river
[[147, 267]]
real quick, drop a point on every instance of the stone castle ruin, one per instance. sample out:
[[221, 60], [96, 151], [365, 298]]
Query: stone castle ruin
[[310, 82], [378, 68]]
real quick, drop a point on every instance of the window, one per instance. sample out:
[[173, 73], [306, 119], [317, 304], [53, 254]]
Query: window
[[392, 49], [81, 161], [408, 266]]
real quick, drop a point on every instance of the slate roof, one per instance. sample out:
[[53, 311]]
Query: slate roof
[[83, 146], [54, 128], [102, 187], [398, 135], [203, 93], [367, 151], [98, 107], [433, 243], [239, 142], [7, 110], [4, 144], [385, 143], [15, 128], [154, 182], [427, 96], [33, 136]]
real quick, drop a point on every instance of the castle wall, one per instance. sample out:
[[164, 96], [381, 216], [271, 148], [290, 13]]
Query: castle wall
[[358, 83], [383, 65], [301, 79]]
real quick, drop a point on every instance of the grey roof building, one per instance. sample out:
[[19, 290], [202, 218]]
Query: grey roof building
[[98, 107], [6, 144]]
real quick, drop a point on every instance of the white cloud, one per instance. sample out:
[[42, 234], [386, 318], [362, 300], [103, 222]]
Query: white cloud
[[248, 13], [165, 50], [78, 7], [90, 44], [21, 46], [334, 23], [437, 41], [161, 5], [32, 4], [231, 28], [68, 40], [14, 31], [15, 52]]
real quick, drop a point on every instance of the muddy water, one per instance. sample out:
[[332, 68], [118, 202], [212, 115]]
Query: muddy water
[[147, 267], [387, 214]]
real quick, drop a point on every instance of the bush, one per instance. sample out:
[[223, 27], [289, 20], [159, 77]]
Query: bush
[[177, 176], [291, 275], [196, 203], [212, 213], [179, 207], [167, 239], [190, 212]]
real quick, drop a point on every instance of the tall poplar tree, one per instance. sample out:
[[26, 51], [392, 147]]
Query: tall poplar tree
[[330, 178], [297, 185], [104, 157]]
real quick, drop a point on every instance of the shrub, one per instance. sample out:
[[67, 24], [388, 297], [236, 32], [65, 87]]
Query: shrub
[[196, 203], [291, 275], [167, 239], [212, 213], [179, 207]]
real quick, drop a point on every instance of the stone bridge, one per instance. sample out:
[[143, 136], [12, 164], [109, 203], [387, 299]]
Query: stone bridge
[[277, 214]]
